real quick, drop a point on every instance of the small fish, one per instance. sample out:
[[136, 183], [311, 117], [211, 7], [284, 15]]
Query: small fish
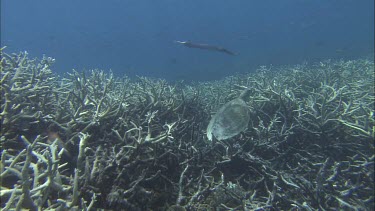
[[340, 50], [55, 136], [205, 46]]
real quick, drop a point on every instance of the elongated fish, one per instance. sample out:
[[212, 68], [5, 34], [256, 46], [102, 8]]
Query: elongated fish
[[205, 46]]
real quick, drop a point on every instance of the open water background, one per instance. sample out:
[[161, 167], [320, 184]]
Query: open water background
[[135, 37]]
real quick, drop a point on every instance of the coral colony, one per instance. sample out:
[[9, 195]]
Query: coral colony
[[91, 141]]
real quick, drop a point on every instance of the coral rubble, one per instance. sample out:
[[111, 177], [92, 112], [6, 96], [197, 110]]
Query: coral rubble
[[89, 140]]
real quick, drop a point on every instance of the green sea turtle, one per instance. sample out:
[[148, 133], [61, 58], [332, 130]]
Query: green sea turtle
[[231, 119]]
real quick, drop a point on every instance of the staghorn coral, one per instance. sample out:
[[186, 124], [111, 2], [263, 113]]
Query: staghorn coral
[[93, 141], [27, 90]]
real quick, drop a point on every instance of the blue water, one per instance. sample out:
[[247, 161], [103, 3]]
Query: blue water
[[135, 37]]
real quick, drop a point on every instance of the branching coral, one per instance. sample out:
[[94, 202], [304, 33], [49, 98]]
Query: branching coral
[[27, 94], [94, 141]]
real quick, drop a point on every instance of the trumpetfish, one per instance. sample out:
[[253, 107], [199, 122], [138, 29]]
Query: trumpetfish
[[205, 46]]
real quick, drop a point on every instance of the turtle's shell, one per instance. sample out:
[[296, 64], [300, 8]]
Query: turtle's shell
[[231, 119]]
